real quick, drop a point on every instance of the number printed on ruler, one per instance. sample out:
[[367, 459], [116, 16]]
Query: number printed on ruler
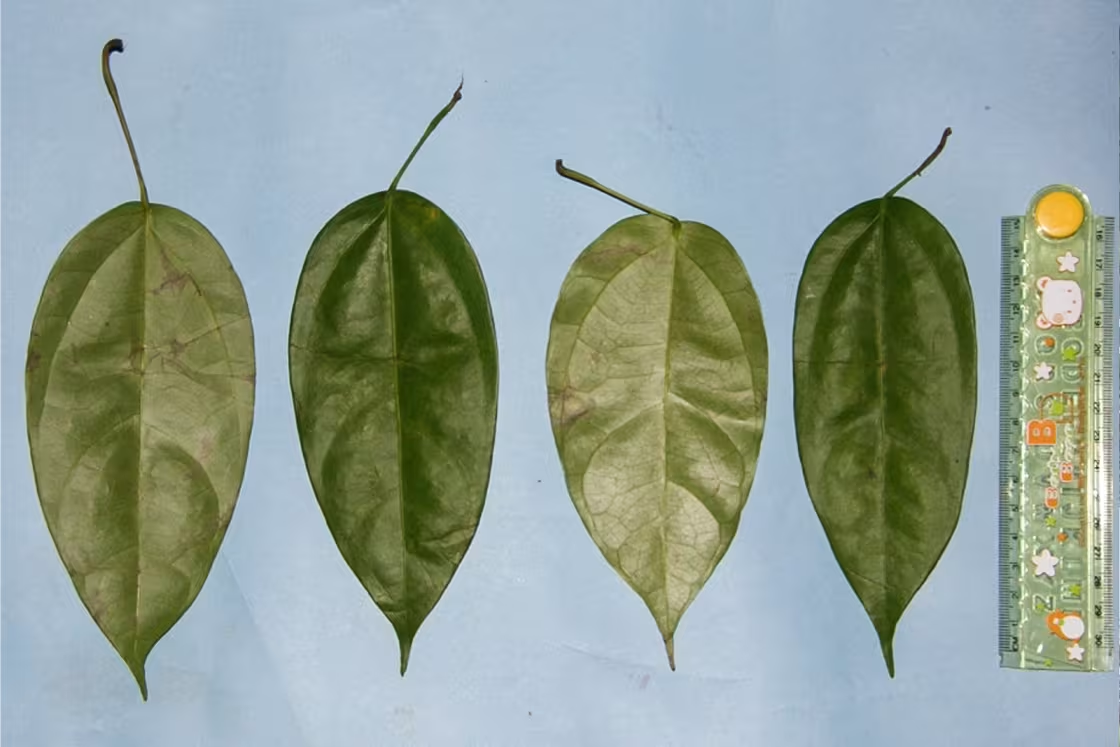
[[1056, 405]]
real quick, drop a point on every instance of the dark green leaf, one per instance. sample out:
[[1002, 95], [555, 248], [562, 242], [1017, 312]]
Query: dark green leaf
[[140, 379], [884, 357], [394, 374], [657, 375]]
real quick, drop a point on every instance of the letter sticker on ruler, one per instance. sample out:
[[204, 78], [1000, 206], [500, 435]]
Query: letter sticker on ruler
[[1056, 404]]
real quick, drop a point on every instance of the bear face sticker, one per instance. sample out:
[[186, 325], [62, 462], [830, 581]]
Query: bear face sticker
[[1061, 302]]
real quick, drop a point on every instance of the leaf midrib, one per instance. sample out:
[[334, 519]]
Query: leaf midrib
[[880, 240], [149, 235], [673, 250], [393, 321], [875, 231]]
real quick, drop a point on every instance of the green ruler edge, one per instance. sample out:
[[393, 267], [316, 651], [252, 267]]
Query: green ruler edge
[[1056, 408]]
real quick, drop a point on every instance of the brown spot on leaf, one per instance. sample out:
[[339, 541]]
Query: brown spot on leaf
[[173, 281], [174, 278], [33, 359], [567, 405]]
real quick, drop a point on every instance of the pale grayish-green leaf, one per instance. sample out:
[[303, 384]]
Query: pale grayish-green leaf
[[657, 380], [140, 380]]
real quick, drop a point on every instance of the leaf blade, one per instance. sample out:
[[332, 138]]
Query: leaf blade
[[392, 325], [139, 391], [885, 353], [657, 348]]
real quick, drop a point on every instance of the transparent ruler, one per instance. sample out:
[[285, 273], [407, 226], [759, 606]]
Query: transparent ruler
[[1056, 412]]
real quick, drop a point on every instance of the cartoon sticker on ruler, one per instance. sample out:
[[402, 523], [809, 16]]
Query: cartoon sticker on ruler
[[1061, 302], [1067, 262], [1065, 471], [1043, 371], [1045, 563], [1057, 407], [1041, 433], [1069, 627], [1071, 366], [1051, 499]]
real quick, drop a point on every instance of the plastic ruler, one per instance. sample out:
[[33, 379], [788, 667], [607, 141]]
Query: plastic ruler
[[1056, 413]]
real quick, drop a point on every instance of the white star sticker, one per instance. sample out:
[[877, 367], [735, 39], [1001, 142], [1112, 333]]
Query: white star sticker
[[1044, 563], [1043, 371], [1075, 652], [1067, 263]]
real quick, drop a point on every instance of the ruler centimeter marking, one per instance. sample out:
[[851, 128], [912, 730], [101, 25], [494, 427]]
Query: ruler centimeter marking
[[1056, 412]]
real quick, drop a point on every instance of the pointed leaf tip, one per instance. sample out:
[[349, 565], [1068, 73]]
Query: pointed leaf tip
[[888, 656], [406, 650], [141, 679], [669, 651]]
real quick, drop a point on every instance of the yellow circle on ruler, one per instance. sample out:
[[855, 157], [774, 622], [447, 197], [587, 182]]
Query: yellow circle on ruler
[[1059, 214]]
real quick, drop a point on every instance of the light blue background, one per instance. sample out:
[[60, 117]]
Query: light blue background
[[764, 119]]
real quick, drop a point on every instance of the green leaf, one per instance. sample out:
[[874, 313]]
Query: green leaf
[[884, 362], [394, 374], [657, 376], [140, 379]]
